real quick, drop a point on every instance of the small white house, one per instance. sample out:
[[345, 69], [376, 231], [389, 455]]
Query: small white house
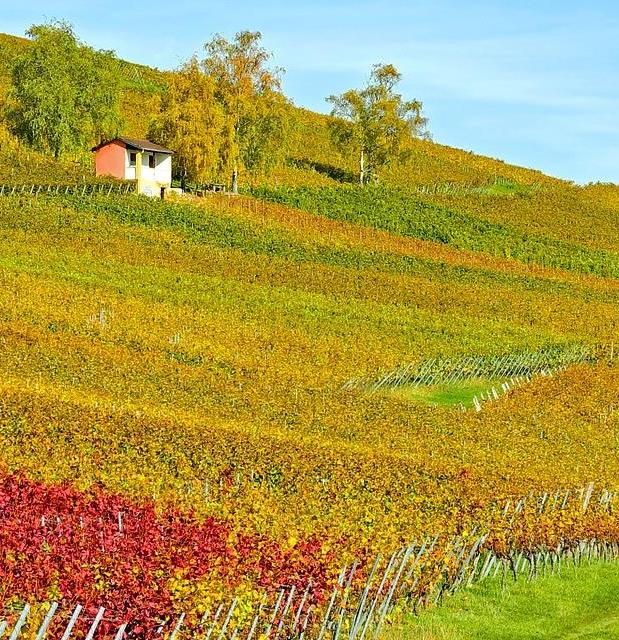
[[148, 163]]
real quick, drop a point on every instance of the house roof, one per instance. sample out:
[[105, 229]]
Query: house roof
[[139, 144]]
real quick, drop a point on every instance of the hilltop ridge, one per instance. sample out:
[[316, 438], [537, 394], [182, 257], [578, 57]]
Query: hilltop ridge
[[313, 160]]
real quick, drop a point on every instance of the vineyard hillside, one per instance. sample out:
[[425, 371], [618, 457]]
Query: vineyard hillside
[[192, 364], [302, 411], [495, 206]]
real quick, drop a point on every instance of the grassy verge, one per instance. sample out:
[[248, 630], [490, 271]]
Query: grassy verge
[[444, 394], [581, 603]]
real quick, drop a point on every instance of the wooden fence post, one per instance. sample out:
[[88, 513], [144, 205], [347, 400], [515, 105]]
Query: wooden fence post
[[178, 626], [76, 614], [95, 624]]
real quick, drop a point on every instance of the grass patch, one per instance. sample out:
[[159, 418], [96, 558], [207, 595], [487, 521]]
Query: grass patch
[[505, 189], [444, 394], [580, 603]]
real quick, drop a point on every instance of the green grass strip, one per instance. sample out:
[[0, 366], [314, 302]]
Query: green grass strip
[[580, 603]]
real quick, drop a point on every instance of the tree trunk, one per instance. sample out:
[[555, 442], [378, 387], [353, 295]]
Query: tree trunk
[[184, 180], [235, 179], [362, 167]]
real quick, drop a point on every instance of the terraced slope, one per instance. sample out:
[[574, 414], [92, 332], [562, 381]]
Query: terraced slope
[[190, 358], [249, 319], [176, 430], [558, 226]]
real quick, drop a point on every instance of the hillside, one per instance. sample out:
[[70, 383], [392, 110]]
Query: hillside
[[305, 410], [491, 206], [313, 159], [195, 355]]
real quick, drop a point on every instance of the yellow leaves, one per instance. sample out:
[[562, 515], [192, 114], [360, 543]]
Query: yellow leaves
[[190, 122], [196, 597], [215, 384]]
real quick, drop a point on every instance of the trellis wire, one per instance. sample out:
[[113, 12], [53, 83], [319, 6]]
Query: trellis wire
[[357, 612], [88, 188], [464, 188], [452, 370]]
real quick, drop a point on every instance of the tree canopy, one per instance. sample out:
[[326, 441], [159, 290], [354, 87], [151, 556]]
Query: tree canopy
[[226, 112], [64, 95], [257, 113], [190, 121], [375, 123]]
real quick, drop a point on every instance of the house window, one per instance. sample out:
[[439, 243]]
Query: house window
[[151, 161], [132, 159]]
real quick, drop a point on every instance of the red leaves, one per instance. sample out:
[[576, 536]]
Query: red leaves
[[101, 550]]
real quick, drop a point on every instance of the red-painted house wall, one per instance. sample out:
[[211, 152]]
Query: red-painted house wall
[[110, 160]]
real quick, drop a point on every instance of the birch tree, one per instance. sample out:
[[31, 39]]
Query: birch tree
[[375, 123], [255, 128]]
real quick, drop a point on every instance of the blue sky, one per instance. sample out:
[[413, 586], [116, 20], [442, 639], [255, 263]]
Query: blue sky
[[533, 83]]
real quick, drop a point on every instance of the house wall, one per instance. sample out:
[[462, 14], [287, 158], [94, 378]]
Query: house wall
[[162, 172], [147, 174], [163, 169], [129, 170], [151, 180], [110, 161]]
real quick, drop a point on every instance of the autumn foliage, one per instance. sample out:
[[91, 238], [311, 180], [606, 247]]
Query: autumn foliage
[[175, 430], [99, 549]]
